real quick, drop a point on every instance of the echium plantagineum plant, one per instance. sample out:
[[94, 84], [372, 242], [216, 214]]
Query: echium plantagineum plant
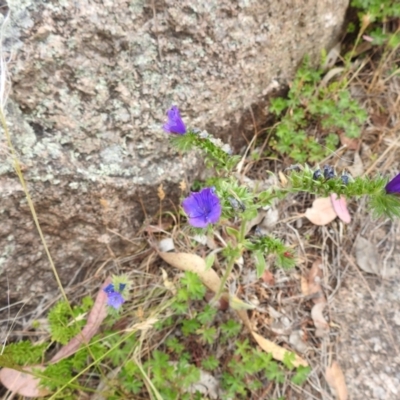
[[224, 198]]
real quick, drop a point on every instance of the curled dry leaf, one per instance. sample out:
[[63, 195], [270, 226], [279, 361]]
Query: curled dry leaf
[[24, 384], [321, 212], [319, 320], [95, 318], [339, 204], [193, 263], [367, 256], [335, 378]]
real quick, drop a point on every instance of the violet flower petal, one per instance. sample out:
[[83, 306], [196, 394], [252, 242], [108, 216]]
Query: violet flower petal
[[393, 186], [109, 288], [202, 208], [115, 300], [174, 123]]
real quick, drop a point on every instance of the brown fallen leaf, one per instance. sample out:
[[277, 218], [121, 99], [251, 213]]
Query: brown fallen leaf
[[24, 384], [194, 263], [367, 256], [321, 212], [351, 144], [335, 378], [95, 318], [268, 277], [277, 352], [319, 320]]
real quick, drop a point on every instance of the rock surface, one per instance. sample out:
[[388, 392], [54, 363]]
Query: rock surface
[[91, 81], [367, 309]]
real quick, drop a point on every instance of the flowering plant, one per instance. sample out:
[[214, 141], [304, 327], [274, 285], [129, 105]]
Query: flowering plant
[[224, 198]]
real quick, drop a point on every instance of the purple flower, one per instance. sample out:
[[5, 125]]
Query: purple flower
[[174, 123], [393, 187], [202, 208], [114, 299]]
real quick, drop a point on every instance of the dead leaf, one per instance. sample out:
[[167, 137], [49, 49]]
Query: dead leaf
[[357, 169], [95, 318], [24, 384], [321, 212], [193, 263], [277, 352], [337, 383], [319, 320], [340, 206], [367, 256], [351, 144], [268, 277]]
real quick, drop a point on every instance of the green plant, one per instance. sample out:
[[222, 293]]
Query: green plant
[[328, 109], [373, 14]]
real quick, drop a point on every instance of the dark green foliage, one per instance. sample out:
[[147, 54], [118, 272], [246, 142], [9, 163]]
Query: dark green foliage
[[267, 245], [63, 326], [378, 9], [328, 107], [25, 353]]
